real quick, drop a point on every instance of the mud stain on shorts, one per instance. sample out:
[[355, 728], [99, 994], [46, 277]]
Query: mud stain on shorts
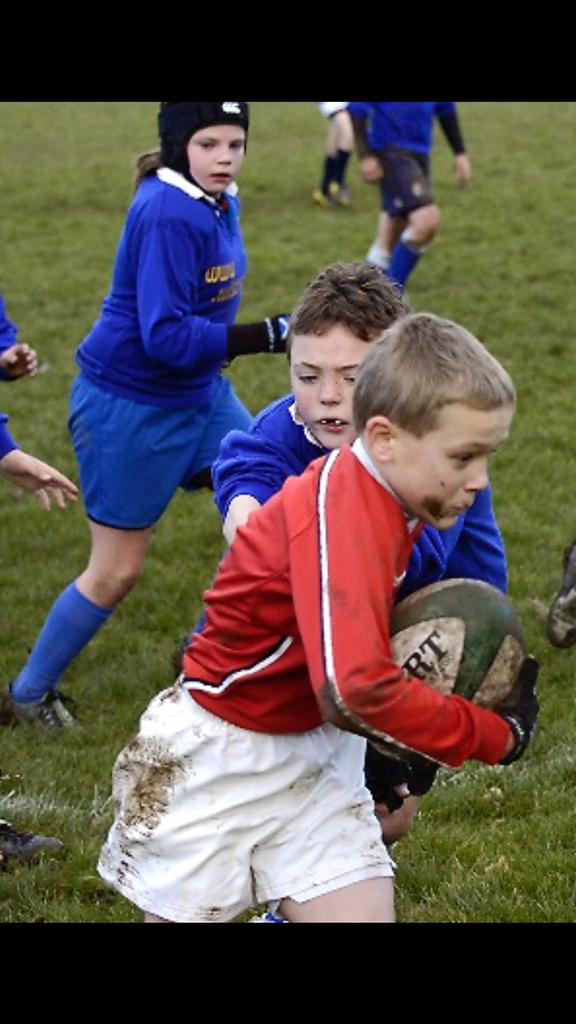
[[144, 776]]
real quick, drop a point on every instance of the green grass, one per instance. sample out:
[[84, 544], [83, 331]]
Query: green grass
[[490, 845]]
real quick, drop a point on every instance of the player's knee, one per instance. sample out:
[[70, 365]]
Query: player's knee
[[109, 586], [423, 225]]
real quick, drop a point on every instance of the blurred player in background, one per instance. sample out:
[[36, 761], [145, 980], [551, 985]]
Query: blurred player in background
[[150, 404], [393, 143], [561, 624], [333, 191], [47, 484]]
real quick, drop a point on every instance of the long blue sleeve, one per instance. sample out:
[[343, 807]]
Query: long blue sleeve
[[258, 461], [7, 442], [8, 335]]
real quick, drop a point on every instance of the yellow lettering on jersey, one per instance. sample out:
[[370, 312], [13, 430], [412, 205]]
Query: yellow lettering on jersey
[[222, 272], [227, 293]]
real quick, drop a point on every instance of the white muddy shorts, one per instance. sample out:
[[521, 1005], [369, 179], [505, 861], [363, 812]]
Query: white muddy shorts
[[212, 819]]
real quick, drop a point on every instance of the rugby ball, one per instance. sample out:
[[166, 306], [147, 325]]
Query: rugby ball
[[460, 636]]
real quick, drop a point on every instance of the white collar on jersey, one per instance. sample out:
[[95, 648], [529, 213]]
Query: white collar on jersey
[[170, 177], [292, 409], [363, 456]]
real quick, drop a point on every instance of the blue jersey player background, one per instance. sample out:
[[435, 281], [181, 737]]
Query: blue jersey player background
[[150, 405], [394, 141], [18, 359]]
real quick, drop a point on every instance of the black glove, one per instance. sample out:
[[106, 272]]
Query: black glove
[[384, 773], [520, 709], [421, 776], [268, 335]]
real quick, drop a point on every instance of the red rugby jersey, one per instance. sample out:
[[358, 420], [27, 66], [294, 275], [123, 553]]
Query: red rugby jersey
[[299, 612]]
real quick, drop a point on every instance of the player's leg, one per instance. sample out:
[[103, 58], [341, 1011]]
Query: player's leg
[[342, 144], [327, 192], [561, 624], [116, 562], [406, 191], [422, 226], [121, 512], [326, 860], [388, 231], [367, 902]]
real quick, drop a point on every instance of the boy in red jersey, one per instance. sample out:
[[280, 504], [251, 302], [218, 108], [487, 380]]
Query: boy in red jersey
[[245, 784]]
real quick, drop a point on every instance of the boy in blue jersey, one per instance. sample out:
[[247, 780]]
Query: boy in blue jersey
[[46, 483], [343, 310], [17, 360], [150, 404], [393, 142]]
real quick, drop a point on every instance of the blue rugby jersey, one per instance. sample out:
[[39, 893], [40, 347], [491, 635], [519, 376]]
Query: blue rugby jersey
[[161, 337], [278, 445], [7, 442], [407, 125], [8, 335]]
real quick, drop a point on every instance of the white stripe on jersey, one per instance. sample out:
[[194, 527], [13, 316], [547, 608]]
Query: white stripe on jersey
[[327, 642], [218, 689], [328, 650]]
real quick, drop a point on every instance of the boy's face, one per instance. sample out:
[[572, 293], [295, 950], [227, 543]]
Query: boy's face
[[215, 155], [322, 373], [437, 476]]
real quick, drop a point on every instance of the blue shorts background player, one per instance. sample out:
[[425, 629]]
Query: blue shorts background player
[[394, 141], [345, 308], [150, 405]]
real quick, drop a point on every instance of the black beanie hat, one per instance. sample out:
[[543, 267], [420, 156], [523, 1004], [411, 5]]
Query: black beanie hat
[[178, 121], [183, 119]]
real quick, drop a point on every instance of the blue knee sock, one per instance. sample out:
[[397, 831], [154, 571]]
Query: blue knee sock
[[71, 623], [402, 262]]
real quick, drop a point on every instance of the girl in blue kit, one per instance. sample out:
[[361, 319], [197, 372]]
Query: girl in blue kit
[[150, 406]]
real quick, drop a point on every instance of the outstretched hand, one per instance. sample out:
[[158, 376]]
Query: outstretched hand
[[19, 361], [45, 482], [462, 169]]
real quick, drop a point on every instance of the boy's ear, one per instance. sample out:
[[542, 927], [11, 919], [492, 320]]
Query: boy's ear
[[380, 434]]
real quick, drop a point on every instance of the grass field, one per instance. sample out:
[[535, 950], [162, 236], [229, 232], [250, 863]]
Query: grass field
[[490, 845]]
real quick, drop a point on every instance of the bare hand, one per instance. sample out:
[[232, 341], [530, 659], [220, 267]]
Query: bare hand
[[370, 169], [462, 169], [43, 480], [19, 361]]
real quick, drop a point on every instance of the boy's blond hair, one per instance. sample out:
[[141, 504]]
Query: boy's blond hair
[[355, 295], [422, 363]]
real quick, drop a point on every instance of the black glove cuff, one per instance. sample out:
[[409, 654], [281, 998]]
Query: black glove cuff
[[521, 736], [248, 339]]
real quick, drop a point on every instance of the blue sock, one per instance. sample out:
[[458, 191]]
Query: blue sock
[[402, 262], [71, 623]]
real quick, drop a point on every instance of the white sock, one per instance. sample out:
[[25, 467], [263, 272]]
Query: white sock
[[379, 257]]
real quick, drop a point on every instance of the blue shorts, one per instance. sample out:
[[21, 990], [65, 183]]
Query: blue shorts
[[132, 457], [406, 183]]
